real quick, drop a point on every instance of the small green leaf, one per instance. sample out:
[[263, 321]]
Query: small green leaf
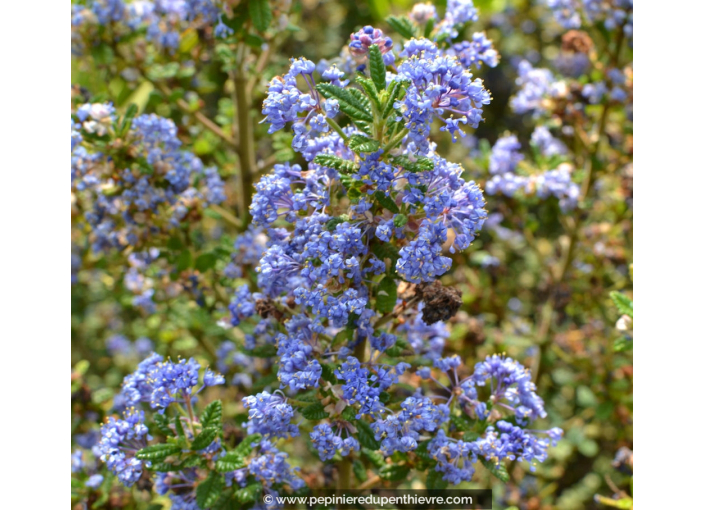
[[163, 467], [260, 12], [384, 397], [386, 294], [421, 164], [360, 143], [350, 103], [498, 470], [330, 161], [249, 493], [328, 373], [205, 261], [349, 413], [212, 415], [245, 447], [370, 89], [400, 220], [386, 201], [179, 427], [374, 457], [462, 422], [434, 481], [401, 25], [393, 472], [314, 412], [623, 303], [204, 439], [360, 472], [208, 491], [162, 423], [157, 452], [230, 462], [366, 435], [377, 69], [396, 92]]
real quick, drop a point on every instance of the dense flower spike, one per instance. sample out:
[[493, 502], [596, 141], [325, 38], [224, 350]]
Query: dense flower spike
[[439, 85], [328, 443], [270, 416], [368, 36], [120, 439]]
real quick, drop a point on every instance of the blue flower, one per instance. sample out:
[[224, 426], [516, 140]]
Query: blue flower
[[270, 416], [120, 439]]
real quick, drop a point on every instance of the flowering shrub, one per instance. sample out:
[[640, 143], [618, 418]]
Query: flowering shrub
[[343, 284]]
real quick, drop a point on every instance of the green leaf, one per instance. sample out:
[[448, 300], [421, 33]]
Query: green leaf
[[360, 472], [245, 447], [360, 143], [386, 251], [377, 69], [350, 104], [314, 412], [384, 397], [204, 439], [230, 462], [205, 261], [260, 12], [623, 303], [212, 415], [163, 467], [208, 491], [386, 295], [393, 472], [401, 25], [330, 161], [462, 423], [374, 457], [225, 501], [400, 220], [179, 427], [370, 89], [249, 493], [396, 92], [194, 461], [349, 413], [366, 435], [419, 165], [361, 98], [162, 423], [386, 201], [328, 373], [157, 452], [498, 470], [434, 481]]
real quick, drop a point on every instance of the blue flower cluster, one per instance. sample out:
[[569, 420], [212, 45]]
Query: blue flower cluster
[[363, 387], [512, 396], [400, 432], [328, 442], [537, 87], [558, 183], [120, 439], [270, 416], [131, 196], [163, 22], [439, 84], [162, 382], [271, 467]]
